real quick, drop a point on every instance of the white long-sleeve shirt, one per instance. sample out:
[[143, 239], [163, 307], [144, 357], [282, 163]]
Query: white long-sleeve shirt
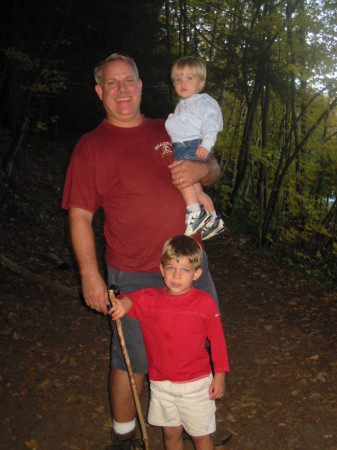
[[197, 117]]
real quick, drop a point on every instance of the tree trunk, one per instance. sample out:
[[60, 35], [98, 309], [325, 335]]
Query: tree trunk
[[245, 143], [15, 147]]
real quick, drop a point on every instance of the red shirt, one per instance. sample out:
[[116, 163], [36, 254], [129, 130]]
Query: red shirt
[[125, 171], [175, 328]]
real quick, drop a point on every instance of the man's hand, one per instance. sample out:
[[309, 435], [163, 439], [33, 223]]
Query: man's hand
[[95, 292], [186, 173], [217, 388]]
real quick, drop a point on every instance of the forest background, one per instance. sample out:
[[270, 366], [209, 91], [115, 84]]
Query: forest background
[[271, 66]]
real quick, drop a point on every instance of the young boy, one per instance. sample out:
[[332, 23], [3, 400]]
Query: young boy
[[193, 128], [176, 321]]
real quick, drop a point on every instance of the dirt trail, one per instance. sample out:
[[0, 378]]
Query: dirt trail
[[281, 334]]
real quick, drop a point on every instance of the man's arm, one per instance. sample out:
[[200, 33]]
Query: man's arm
[[94, 288], [191, 172]]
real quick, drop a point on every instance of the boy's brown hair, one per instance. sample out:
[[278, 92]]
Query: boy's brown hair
[[180, 246]]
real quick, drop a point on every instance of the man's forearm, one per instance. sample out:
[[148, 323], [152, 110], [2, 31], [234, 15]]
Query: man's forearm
[[83, 241], [212, 173], [93, 286]]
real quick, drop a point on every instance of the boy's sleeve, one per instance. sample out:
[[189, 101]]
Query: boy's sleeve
[[212, 122], [136, 308], [217, 339]]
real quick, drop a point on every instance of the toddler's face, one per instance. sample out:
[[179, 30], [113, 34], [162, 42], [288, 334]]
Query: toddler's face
[[187, 84]]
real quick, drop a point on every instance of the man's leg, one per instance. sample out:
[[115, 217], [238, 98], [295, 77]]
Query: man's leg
[[121, 397]]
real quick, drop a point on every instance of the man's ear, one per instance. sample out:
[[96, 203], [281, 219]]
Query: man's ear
[[99, 91], [140, 84], [197, 274]]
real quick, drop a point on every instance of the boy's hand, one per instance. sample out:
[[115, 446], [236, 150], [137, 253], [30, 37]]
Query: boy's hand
[[202, 152], [120, 308], [217, 388]]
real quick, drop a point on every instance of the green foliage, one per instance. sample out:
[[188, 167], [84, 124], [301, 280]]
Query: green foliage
[[271, 66]]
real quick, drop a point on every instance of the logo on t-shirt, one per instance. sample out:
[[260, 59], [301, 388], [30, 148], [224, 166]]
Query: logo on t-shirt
[[165, 148]]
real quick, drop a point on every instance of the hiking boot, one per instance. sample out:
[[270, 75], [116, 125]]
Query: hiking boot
[[212, 229], [195, 221], [126, 441]]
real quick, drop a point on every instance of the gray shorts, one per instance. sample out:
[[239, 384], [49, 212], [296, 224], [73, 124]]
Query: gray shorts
[[132, 281]]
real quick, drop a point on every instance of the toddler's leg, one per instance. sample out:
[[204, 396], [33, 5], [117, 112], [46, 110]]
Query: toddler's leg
[[203, 442], [173, 438], [203, 198], [215, 225], [196, 216]]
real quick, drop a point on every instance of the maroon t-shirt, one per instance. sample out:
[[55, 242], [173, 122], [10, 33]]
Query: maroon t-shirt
[[125, 171]]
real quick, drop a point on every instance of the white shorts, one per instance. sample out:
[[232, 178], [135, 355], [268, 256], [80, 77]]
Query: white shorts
[[186, 404]]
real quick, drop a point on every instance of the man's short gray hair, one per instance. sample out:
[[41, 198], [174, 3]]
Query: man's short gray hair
[[114, 57]]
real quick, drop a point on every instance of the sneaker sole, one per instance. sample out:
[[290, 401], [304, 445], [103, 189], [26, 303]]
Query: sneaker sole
[[213, 233], [201, 224]]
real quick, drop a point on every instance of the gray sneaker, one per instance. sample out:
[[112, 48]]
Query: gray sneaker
[[195, 221], [210, 230]]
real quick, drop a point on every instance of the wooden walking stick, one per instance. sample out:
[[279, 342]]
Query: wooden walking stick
[[113, 291]]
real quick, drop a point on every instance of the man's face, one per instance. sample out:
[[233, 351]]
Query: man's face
[[120, 93]]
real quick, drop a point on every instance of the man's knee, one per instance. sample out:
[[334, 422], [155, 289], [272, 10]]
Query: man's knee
[[120, 381]]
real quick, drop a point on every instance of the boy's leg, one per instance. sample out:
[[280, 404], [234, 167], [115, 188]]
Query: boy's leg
[[203, 198], [197, 216], [173, 438], [203, 442], [190, 195]]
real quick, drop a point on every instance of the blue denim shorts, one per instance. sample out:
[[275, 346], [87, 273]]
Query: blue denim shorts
[[129, 282], [187, 150]]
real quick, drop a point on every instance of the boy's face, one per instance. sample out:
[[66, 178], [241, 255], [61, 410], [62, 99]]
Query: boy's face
[[179, 275], [187, 84]]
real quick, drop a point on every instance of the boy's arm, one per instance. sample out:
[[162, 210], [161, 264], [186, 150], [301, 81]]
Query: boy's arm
[[217, 388], [202, 152], [120, 307]]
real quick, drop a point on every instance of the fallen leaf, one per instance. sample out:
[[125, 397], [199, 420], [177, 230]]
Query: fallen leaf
[[108, 425], [32, 444], [327, 436], [44, 384], [77, 398]]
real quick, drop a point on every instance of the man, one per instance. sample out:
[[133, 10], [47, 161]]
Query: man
[[126, 167]]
